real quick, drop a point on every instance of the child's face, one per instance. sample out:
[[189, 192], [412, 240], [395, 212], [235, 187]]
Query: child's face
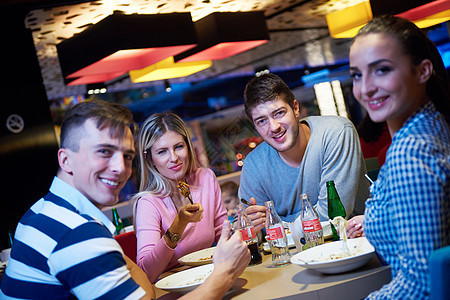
[[229, 201]]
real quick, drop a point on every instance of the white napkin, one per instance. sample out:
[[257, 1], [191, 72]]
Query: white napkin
[[296, 233]]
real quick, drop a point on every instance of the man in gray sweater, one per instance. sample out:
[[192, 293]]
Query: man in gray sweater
[[298, 156]]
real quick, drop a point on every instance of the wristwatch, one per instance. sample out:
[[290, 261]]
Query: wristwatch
[[173, 237]]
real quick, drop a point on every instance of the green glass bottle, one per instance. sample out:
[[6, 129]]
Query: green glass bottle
[[335, 207], [10, 239], [117, 221]]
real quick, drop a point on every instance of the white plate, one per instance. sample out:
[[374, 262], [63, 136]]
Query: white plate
[[185, 281], [198, 258], [326, 234], [313, 256]]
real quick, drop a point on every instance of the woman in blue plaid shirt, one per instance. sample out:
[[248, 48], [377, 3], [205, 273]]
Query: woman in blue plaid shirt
[[399, 77]]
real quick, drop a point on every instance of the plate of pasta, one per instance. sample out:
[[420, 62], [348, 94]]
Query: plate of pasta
[[330, 258], [185, 281], [198, 258]]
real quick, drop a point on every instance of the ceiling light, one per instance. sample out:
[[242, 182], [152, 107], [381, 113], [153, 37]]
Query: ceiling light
[[167, 69], [346, 23], [429, 14], [120, 43], [223, 34]]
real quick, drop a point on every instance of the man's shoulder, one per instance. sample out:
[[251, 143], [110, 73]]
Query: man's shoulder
[[262, 149], [53, 219], [328, 122], [262, 158], [330, 125]]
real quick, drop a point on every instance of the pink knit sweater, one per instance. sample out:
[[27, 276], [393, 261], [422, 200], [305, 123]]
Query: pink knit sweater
[[154, 216]]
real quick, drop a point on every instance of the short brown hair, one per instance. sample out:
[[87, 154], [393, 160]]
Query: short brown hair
[[105, 114], [265, 88]]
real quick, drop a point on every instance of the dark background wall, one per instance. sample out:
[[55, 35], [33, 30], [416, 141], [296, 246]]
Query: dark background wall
[[27, 158]]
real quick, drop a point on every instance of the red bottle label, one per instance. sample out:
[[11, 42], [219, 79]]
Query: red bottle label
[[248, 233], [274, 233], [311, 225]]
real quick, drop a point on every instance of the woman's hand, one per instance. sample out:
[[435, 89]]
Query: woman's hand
[[355, 227], [191, 213]]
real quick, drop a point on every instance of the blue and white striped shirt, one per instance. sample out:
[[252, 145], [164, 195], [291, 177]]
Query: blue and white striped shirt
[[407, 217], [63, 248]]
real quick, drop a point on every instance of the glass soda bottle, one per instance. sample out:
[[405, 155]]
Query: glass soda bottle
[[312, 230], [335, 207], [10, 238], [245, 226], [117, 221], [276, 236]]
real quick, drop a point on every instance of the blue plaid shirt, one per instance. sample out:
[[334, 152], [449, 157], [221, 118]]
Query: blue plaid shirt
[[407, 217]]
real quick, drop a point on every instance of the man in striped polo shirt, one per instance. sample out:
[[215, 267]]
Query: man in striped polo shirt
[[63, 246]]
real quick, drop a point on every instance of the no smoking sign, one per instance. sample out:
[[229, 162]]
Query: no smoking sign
[[15, 123]]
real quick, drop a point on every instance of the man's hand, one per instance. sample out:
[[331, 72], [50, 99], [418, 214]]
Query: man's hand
[[231, 253], [257, 215], [230, 258], [355, 227]]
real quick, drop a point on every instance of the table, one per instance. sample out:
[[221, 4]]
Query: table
[[264, 281]]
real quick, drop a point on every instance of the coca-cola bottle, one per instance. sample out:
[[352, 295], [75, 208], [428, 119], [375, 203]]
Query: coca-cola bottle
[[312, 230], [245, 226], [276, 237]]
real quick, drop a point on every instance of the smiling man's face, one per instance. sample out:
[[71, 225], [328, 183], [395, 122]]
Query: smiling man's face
[[277, 123], [102, 165]]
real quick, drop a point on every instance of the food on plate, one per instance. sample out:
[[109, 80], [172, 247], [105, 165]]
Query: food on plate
[[206, 258], [185, 281], [339, 255], [197, 258], [197, 279], [329, 258]]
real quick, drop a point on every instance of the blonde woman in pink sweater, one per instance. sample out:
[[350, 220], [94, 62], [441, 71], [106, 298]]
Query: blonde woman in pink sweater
[[167, 225]]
